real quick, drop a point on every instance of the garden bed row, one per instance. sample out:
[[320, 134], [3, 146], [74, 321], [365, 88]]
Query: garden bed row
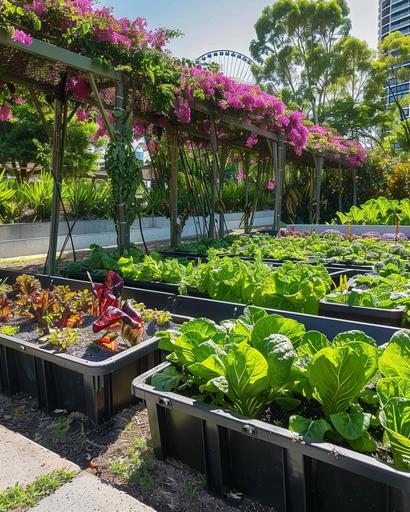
[[100, 389], [391, 317]]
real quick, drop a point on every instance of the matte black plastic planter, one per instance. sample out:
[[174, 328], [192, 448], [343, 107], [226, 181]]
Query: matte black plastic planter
[[268, 463], [61, 381], [393, 317]]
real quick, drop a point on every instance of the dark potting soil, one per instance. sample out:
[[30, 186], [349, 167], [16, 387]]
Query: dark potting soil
[[86, 348]]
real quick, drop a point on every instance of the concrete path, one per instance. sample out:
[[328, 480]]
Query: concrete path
[[22, 460], [86, 493]]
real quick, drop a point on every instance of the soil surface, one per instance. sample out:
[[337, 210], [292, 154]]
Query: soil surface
[[85, 348], [120, 453]]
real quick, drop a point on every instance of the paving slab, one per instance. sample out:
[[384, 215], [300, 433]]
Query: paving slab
[[22, 460], [87, 493]]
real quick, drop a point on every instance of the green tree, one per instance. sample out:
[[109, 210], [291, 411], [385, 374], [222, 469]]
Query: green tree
[[18, 138], [391, 69], [295, 50]]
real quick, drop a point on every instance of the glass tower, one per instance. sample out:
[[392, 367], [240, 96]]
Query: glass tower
[[394, 15]]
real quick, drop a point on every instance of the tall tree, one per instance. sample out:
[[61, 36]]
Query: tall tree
[[295, 50], [391, 69]]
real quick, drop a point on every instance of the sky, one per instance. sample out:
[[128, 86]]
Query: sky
[[224, 24]]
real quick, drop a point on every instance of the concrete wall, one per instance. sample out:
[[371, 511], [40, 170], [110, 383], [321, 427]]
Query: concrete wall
[[33, 238], [356, 229]]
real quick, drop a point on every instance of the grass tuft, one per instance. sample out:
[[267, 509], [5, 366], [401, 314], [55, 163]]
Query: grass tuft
[[20, 498]]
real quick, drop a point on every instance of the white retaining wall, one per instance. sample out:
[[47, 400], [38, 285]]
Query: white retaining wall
[[33, 238]]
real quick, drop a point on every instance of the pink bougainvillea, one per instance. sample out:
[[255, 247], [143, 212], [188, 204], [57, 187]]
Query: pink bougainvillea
[[5, 113], [22, 37], [271, 185]]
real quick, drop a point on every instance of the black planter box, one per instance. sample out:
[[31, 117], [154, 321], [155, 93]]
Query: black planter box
[[393, 317], [268, 463], [60, 381]]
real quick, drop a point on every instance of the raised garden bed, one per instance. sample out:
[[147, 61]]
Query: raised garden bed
[[266, 462], [393, 317], [93, 381], [221, 383]]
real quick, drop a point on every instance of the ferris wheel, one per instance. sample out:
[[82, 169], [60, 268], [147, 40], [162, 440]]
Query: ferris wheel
[[233, 64]]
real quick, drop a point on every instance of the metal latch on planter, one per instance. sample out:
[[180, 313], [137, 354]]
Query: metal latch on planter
[[165, 402], [250, 430]]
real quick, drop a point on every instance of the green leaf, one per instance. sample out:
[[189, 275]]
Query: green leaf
[[339, 374], [312, 342], [247, 376], [395, 360], [364, 444], [276, 324], [280, 355], [345, 338], [313, 431], [395, 418], [209, 368], [167, 380], [350, 425], [393, 387]]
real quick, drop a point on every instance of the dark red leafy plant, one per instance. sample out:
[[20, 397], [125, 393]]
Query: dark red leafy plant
[[126, 322], [5, 309], [108, 294]]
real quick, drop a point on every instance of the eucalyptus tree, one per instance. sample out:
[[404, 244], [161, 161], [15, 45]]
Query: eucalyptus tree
[[296, 50]]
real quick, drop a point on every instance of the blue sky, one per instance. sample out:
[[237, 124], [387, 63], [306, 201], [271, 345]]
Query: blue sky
[[224, 24]]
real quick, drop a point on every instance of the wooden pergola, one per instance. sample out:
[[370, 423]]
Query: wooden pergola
[[43, 67]]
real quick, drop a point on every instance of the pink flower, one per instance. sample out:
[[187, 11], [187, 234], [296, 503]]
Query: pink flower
[[79, 87], [251, 141], [82, 116], [5, 113], [240, 176], [22, 37], [19, 101], [152, 146], [271, 185]]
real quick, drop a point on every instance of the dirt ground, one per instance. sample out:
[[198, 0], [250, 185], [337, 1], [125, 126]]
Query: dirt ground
[[119, 453]]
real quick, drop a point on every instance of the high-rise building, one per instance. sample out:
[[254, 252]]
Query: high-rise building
[[394, 15]]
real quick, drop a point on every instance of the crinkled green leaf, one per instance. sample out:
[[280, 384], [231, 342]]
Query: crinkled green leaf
[[276, 324], [395, 418], [390, 387], [395, 360], [167, 380], [352, 336]]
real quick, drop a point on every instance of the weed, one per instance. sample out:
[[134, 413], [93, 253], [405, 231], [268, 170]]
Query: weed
[[21, 498]]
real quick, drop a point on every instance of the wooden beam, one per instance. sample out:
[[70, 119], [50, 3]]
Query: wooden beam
[[236, 122], [354, 176], [101, 105], [68, 58], [339, 189]]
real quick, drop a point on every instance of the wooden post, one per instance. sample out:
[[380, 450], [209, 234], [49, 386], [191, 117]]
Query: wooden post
[[173, 186], [339, 193], [281, 173], [318, 185], [214, 180], [222, 166], [60, 116], [123, 227], [354, 173], [246, 167], [275, 155]]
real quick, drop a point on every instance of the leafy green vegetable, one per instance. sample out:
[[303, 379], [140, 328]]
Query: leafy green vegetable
[[351, 426], [167, 380], [313, 431], [339, 374], [395, 418], [395, 360]]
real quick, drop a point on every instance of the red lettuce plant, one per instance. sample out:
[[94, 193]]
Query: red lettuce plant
[[5, 309], [108, 294], [126, 322]]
